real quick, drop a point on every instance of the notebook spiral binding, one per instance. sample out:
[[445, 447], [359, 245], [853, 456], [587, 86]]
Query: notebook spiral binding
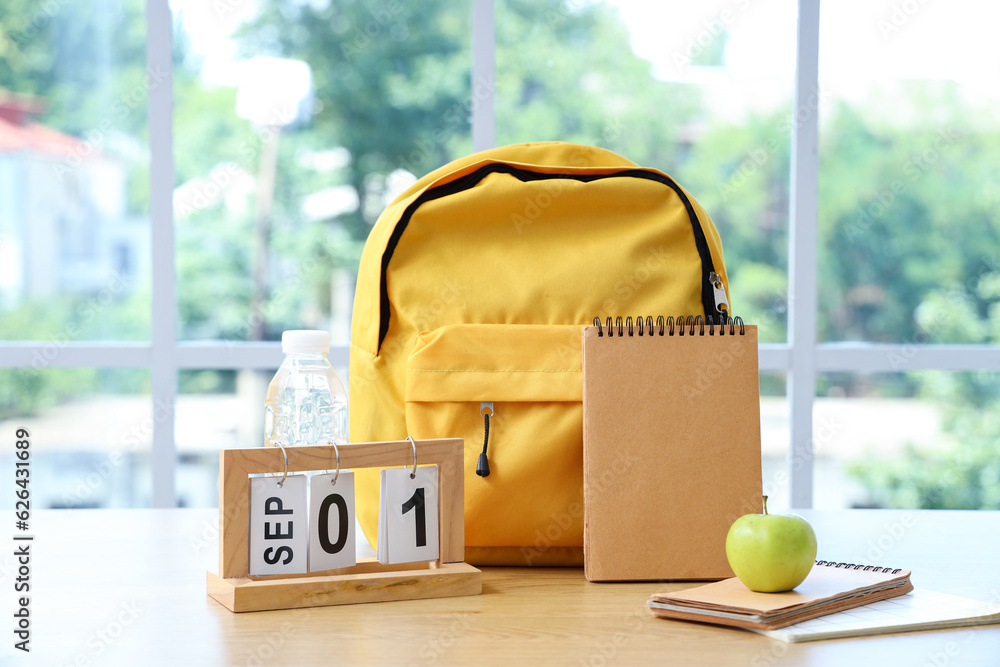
[[668, 326], [858, 566]]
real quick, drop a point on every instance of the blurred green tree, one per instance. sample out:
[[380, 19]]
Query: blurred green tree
[[907, 223]]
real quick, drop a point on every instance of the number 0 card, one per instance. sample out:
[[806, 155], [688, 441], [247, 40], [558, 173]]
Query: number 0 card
[[408, 516], [331, 522]]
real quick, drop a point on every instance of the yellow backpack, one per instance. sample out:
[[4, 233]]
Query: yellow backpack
[[471, 292]]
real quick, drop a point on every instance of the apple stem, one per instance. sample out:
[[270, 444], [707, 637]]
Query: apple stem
[[765, 504]]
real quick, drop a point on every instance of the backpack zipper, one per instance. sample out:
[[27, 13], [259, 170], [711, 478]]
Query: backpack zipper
[[483, 466], [719, 293], [709, 293]]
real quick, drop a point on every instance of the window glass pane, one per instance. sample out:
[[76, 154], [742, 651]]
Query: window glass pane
[[774, 425], [910, 147], [216, 409], [91, 435], [295, 125], [701, 91], [74, 166], [924, 440]]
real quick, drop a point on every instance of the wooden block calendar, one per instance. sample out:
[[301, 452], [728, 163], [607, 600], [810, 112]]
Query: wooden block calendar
[[367, 581]]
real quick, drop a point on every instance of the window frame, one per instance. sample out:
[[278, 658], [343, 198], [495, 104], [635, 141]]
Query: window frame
[[801, 358]]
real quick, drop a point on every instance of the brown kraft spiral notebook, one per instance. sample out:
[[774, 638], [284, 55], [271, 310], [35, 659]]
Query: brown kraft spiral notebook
[[671, 446], [829, 588]]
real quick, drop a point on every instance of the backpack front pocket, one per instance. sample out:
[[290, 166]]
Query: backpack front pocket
[[527, 380]]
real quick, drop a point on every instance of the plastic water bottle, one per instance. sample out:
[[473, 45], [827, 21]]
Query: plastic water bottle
[[306, 403]]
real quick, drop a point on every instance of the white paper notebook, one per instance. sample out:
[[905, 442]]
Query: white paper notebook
[[918, 610]]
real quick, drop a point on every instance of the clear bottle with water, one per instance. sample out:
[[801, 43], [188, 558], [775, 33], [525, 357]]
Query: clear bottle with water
[[306, 403]]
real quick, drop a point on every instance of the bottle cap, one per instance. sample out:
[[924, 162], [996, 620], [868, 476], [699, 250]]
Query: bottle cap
[[305, 341]]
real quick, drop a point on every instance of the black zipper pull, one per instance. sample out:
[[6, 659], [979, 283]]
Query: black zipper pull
[[483, 467]]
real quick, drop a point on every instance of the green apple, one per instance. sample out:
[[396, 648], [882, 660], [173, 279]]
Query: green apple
[[771, 552]]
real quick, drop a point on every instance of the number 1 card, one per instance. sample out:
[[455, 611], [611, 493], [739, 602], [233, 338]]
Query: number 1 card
[[408, 516]]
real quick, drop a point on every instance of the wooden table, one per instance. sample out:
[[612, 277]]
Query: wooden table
[[127, 587]]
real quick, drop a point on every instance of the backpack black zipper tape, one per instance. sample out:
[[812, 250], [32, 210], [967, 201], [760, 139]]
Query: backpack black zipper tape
[[471, 180]]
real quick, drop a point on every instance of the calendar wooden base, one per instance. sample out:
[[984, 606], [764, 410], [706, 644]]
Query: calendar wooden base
[[369, 580], [265, 594]]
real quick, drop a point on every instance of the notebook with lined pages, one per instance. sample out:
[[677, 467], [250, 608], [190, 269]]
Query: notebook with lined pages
[[830, 587]]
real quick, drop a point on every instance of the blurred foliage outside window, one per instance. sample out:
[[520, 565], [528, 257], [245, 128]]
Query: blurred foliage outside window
[[909, 235]]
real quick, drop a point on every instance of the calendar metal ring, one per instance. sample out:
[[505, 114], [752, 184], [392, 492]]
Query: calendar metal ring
[[281, 483], [336, 450], [413, 473]]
